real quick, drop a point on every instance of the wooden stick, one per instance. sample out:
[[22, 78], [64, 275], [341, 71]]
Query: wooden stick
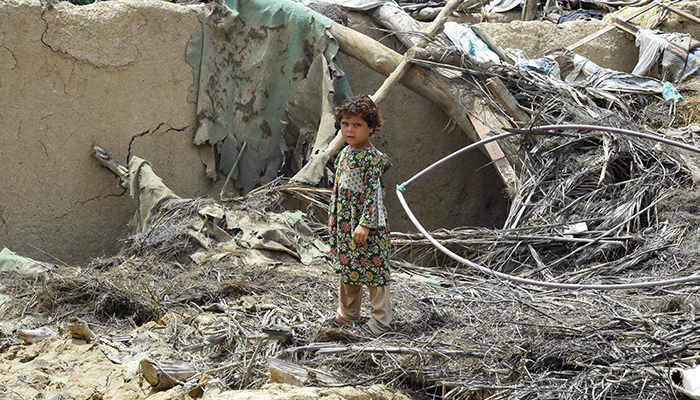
[[678, 11], [491, 43], [405, 64], [396, 350], [228, 177], [108, 162], [505, 170], [610, 27]]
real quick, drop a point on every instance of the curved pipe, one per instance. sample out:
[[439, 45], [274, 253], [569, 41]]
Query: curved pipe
[[554, 285]]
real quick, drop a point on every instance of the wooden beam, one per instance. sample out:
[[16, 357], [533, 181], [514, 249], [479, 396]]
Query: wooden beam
[[610, 27], [493, 150], [501, 93], [529, 11], [405, 64], [680, 12]]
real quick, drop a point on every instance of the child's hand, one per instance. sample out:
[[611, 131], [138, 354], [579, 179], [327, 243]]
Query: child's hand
[[360, 234]]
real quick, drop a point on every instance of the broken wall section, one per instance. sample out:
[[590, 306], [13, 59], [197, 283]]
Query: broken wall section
[[110, 73], [615, 49]]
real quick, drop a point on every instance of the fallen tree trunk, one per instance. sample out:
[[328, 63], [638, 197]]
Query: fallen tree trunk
[[393, 17], [405, 64], [428, 84]]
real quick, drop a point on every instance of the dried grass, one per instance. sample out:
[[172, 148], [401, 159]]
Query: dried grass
[[457, 334]]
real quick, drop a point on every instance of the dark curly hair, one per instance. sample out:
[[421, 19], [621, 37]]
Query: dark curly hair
[[363, 107]]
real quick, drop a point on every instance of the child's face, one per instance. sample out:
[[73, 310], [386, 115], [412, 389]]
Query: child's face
[[355, 131]]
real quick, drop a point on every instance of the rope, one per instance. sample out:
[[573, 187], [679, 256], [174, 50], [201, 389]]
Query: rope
[[512, 278]]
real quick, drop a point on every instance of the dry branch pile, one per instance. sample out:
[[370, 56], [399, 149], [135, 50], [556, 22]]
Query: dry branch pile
[[457, 334], [588, 207]]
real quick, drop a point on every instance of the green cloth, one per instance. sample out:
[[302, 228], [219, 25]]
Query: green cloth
[[248, 62], [9, 261]]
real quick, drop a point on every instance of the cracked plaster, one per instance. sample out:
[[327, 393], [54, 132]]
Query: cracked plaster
[[77, 76]]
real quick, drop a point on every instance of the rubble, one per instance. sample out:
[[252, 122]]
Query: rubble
[[225, 298]]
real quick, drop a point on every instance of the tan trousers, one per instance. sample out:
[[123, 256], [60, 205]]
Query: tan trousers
[[351, 303]]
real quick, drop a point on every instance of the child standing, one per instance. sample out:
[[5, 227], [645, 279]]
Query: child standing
[[358, 219]]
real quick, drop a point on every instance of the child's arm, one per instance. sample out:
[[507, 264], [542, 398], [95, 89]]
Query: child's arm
[[372, 208], [360, 234]]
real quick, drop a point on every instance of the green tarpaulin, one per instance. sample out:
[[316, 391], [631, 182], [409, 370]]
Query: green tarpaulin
[[248, 63]]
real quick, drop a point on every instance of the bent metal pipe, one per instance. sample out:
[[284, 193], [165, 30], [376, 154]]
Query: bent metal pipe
[[554, 285]]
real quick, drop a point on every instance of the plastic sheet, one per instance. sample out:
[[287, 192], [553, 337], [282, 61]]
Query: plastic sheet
[[499, 6], [651, 45], [543, 66], [670, 93], [462, 36], [583, 68], [686, 381], [587, 72], [692, 65]]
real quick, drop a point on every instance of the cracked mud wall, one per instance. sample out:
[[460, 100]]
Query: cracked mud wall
[[111, 74], [114, 74]]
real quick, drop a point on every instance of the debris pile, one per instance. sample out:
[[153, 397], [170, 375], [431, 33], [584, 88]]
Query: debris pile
[[214, 299]]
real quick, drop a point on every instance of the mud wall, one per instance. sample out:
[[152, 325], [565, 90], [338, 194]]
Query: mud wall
[[114, 74], [614, 50]]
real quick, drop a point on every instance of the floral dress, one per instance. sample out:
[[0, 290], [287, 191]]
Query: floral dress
[[358, 199]]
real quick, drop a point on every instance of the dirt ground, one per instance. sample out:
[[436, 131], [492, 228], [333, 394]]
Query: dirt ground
[[231, 291]]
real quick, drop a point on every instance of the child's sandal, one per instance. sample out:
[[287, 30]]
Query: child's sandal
[[364, 331], [333, 322]]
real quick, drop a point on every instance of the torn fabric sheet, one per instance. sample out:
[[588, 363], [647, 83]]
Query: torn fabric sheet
[[218, 232], [650, 46], [675, 56], [671, 48], [148, 189], [248, 62]]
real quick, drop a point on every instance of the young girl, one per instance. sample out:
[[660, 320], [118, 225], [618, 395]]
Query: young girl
[[358, 219]]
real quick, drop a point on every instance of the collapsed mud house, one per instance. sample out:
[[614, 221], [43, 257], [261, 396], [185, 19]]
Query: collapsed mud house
[[226, 298]]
